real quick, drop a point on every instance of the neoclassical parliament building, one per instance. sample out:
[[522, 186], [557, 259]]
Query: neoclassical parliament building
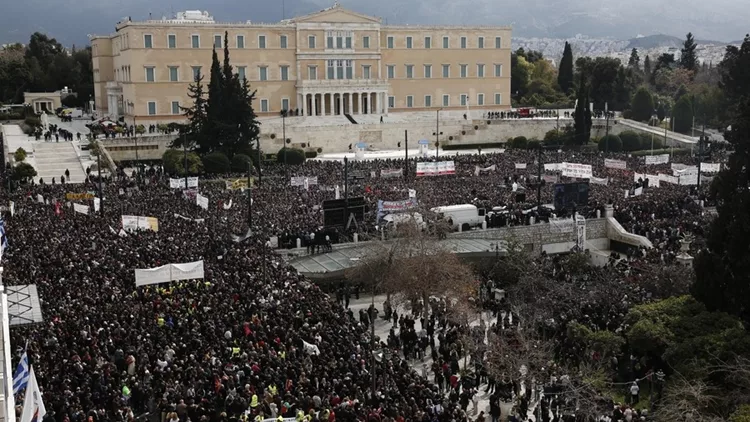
[[335, 61]]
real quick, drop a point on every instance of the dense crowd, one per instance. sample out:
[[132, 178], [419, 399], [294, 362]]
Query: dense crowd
[[253, 339]]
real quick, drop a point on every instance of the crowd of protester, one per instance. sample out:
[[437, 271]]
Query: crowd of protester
[[253, 339]]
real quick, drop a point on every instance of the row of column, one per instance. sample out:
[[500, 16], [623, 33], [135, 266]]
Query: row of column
[[333, 103]]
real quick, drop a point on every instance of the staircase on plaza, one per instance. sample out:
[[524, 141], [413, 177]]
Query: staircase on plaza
[[53, 158]]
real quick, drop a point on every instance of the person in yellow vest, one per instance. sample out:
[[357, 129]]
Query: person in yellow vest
[[282, 355], [280, 419], [259, 417], [254, 401], [300, 416], [236, 352], [272, 389], [160, 321]]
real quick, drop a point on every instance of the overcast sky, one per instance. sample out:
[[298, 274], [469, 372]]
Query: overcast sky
[[723, 20]]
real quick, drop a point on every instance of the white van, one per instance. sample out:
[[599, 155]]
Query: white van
[[395, 220], [465, 216]]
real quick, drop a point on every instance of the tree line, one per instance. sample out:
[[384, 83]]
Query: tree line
[[44, 65]]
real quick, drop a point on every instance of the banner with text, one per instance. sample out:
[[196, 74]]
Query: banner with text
[[201, 201], [478, 169], [668, 179], [615, 164], [180, 183], [520, 166], [599, 180], [235, 184], [579, 171], [78, 196], [387, 207], [134, 222], [441, 168], [552, 166], [80, 208], [388, 173], [168, 273], [685, 171], [710, 167], [657, 159]]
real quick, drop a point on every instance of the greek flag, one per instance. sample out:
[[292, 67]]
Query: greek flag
[[21, 377], [3, 237]]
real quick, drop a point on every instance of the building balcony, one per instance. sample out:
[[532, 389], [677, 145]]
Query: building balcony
[[335, 85], [113, 87]]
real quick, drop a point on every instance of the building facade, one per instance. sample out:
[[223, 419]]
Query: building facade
[[331, 62]]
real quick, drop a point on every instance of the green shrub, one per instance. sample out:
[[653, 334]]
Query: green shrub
[[642, 105], [533, 144], [33, 121], [24, 172], [611, 143], [631, 141], [519, 142], [173, 161], [216, 163], [293, 156], [239, 163], [19, 155], [311, 154], [646, 141]]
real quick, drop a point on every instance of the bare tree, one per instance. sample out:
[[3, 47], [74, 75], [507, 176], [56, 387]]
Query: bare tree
[[687, 401]]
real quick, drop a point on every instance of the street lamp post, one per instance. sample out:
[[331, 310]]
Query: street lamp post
[[135, 137], [249, 200], [260, 173], [437, 132], [184, 150]]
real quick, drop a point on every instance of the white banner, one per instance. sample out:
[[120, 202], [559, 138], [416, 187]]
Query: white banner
[[197, 220], [678, 166], [653, 180], [579, 171], [657, 159], [638, 192], [599, 180], [552, 166], [685, 171], [710, 167], [412, 193], [561, 225], [40, 198], [478, 169], [83, 209], [168, 273], [615, 164], [12, 208], [180, 183], [668, 179], [520, 166], [304, 181], [637, 176], [580, 232], [689, 179], [201, 201], [228, 205], [387, 173], [97, 204], [440, 168], [133, 222]]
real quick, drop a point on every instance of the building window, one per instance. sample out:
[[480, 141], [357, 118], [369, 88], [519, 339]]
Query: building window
[[446, 71], [329, 42], [172, 41], [339, 42], [261, 41], [498, 98], [331, 70], [174, 74], [196, 72], [480, 99], [242, 72], [390, 42], [195, 41], [284, 73], [283, 41], [263, 73], [366, 72], [365, 42], [409, 71], [463, 42], [349, 43], [264, 105], [464, 70], [446, 43], [498, 42], [217, 41], [446, 100], [408, 42], [427, 42], [409, 101], [152, 108], [391, 102], [464, 98], [480, 42], [349, 65], [150, 74], [176, 107], [240, 41], [498, 70], [391, 71], [285, 104], [480, 71], [311, 41], [427, 71], [148, 41], [312, 73], [428, 101]]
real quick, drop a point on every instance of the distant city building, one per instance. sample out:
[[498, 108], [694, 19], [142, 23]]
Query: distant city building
[[331, 62]]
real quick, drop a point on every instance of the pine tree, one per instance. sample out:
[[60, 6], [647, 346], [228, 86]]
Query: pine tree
[[723, 270], [565, 73], [214, 109], [688, 58], [647, 67], [634, 61], [582, 112], [196, 115]]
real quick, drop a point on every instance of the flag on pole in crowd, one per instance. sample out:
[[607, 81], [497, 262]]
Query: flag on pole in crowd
[[3, 237], [33, 407], [21, 376]]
